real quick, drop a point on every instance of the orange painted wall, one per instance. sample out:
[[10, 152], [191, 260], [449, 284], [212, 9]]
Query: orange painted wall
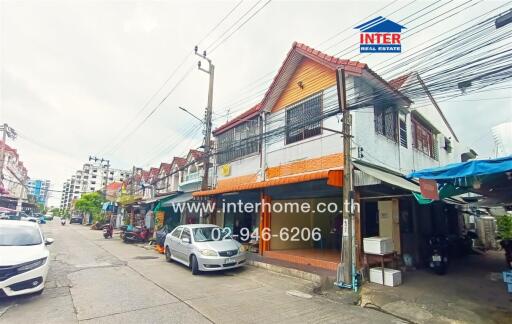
[[315, 164], [250, 178], [315, 77]]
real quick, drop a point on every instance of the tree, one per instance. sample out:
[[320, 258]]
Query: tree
[[504, 224], [90, 203]]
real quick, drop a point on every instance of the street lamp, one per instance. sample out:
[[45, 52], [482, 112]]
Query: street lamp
[[191, 114]]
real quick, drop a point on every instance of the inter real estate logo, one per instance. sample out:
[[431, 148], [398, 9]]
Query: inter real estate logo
[[380, 35]]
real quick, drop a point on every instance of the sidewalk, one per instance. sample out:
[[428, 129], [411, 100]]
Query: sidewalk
[[472, 291]]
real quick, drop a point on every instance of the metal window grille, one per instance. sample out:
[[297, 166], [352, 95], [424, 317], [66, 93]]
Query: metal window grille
[[239, 141], [302, 120]]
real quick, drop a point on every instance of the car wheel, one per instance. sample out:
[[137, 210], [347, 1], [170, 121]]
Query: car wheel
[[193, 265], [168, 254]]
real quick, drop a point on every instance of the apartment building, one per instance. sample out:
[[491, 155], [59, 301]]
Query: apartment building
[[92, 177]]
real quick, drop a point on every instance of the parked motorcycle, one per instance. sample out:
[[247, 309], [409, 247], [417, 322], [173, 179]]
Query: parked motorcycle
[[108, 231], [137, 235], [438, 254], [507, 246], [62, 221]]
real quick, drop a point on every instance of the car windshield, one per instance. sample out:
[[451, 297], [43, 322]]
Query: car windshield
[[205, 234], [19, 236]]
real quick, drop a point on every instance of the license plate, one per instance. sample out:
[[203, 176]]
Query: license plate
[[230, 260], [436, 258]]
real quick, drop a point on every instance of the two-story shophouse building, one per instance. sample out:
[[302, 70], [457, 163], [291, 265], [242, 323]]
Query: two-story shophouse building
[[287, 151]]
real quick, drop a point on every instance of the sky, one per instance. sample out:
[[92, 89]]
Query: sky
[[78, 77]]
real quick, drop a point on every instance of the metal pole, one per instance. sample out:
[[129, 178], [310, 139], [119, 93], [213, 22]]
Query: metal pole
[[208, 130], [346, 247], [2, 152], [208, 122]]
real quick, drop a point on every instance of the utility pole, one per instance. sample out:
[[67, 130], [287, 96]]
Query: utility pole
[[107, 165], [208, 120], [347, 241], [6, 132]]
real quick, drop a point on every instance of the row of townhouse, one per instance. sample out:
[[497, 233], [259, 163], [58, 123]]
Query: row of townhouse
[[91, 178], [283, 150], [15, 173], [158, 188]]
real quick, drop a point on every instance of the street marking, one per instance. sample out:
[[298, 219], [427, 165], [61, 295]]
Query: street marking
[[299, 294]]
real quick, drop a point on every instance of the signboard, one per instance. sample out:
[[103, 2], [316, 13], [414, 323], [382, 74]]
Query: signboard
[[428, 189], [225, 170]]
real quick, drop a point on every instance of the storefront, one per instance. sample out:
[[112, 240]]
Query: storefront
[[297, 217]]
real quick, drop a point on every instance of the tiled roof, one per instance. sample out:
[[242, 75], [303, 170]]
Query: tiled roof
[[248, 114], [397, 83], [166, 167], [196, 155], [179, 161]]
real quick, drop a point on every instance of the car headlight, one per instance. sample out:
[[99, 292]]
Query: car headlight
[[208, 252], [242, 249], [31, 265]]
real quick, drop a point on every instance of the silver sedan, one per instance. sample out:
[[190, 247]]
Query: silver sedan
[[203, 247]]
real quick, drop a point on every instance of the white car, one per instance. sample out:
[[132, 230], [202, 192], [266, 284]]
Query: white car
[[203, 247], [24, 258]]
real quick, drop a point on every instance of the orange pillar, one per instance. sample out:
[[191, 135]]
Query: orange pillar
[[265, 215]]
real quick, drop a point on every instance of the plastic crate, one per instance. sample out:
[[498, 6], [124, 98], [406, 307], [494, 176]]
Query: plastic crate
[[507, 277]]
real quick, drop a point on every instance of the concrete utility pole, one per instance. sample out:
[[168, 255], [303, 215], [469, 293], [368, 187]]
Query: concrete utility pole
[[6, 132], [347, 242], [208, 119], [96, 159]]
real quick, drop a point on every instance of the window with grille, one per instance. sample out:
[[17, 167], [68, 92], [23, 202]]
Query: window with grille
[[386, 122], [403, 130], [239, 141], [423, 138], [304, 120]]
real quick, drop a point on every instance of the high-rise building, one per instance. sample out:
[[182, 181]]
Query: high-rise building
[[39, 189], [92, 177]]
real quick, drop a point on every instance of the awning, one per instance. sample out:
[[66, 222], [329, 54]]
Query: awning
[[152, 200], [387, 177], [303, 177], [465, 169], [178, 199]]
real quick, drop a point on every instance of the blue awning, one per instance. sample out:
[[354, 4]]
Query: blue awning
[[465, 169]]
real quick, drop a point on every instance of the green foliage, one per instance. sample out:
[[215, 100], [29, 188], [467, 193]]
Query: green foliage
[[90, 203], [504, 224], [56, 212]]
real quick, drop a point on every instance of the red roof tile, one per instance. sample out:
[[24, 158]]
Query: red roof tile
[[397, 83], [166, 167], [196, 155], [248, 114], [179, 161]]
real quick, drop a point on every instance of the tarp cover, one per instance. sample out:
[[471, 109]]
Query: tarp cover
[[465, 169]]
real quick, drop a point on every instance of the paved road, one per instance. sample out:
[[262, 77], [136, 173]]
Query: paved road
[[93, 280]]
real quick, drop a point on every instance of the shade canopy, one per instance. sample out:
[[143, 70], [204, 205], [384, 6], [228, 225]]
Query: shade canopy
[[465, 169]]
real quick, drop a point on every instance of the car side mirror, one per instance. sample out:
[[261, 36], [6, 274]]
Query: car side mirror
[[48, 241], [185, 240]]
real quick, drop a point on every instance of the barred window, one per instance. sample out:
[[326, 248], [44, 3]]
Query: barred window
[[386, 122], [303, 120], [239, 141]]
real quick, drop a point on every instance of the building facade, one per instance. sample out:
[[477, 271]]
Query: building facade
[[91, 178], [288, 149], [39, 189]]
